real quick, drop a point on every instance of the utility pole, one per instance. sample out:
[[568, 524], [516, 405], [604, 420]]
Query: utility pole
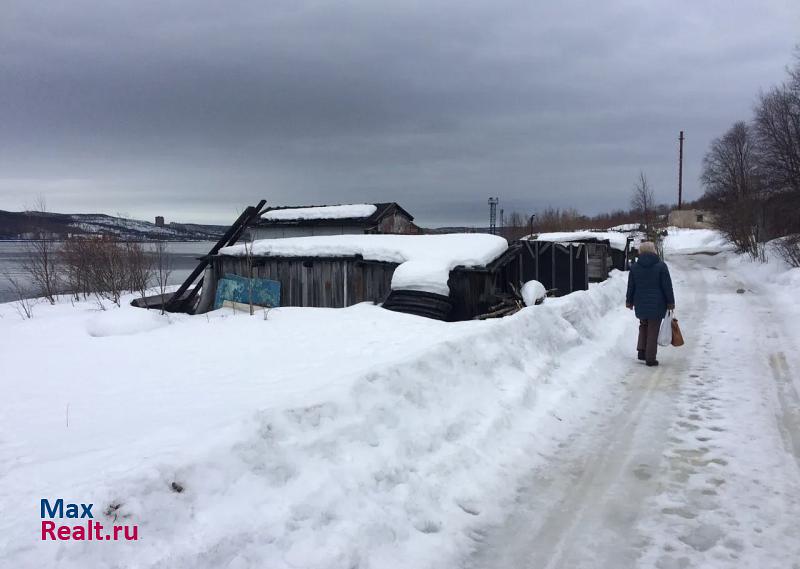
[[680, 172], [493, 215]]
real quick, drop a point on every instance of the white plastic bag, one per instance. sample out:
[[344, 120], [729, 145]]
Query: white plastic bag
[[665, 332]]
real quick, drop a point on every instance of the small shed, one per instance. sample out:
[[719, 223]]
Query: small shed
[[605, 250], [449, 277], [347, 219]]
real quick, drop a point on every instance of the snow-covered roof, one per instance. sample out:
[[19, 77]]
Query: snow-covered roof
[[425, 260], [617, 240], [347, 211], [625, 227]]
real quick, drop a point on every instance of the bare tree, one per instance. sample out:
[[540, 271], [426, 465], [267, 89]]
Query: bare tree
[[41, 256], [162, 267], [777, 128], [733, 188], [789, 249], [643, 201], [777, 134]]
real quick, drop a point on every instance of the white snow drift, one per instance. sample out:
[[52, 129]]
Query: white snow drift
[[425, 260], [348, 211]]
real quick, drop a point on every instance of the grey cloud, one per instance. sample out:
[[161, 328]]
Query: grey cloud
[[193, 109]]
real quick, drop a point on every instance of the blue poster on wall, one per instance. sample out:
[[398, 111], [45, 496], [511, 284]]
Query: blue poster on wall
[[237, 288]]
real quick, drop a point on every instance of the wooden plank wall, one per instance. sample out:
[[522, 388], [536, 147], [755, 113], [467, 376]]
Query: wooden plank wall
[[327, 283], [471, 291]]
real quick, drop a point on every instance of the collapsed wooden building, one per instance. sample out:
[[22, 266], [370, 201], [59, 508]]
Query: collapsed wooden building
[[465, 275], [345, 277], [340, 280], [605, 250]]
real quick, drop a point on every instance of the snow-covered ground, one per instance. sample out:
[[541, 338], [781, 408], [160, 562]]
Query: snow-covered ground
[[366, 438]]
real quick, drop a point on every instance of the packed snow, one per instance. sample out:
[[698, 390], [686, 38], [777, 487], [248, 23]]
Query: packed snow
[[616, 239], [695, 241], [321, 212], [533, 292], [425, 260]]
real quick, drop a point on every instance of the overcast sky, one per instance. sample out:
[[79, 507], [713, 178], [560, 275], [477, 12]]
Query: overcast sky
[[195, 109]]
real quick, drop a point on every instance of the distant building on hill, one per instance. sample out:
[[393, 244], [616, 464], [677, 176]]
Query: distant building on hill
[[159, 221], [349, 219], [691, 219]]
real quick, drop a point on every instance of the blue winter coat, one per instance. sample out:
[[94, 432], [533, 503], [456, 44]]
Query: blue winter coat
[[650, 287]]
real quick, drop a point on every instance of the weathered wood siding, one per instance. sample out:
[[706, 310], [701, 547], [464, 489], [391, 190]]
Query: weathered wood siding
[[599, 261], [472, 291], [560, 266], [326, 283]]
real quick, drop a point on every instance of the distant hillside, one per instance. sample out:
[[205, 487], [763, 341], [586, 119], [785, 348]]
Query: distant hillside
[[26, 225]]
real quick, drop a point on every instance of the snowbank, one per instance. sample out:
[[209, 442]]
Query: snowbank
[[425, 260], [616, 239], [125, 322], [321, 212], [317, 438], [695, 241]]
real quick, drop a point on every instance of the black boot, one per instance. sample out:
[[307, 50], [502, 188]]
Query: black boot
[[653, 363]]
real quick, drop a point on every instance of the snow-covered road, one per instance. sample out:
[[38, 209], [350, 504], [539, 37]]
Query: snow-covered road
[[695, 463]]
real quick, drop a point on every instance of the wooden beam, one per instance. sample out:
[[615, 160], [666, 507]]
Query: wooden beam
[[233, 233]]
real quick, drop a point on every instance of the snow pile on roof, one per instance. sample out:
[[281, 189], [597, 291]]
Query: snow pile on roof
[[425, 260], [321, 212], [318, 438], [616, 239], [691, 241], [625, 227]]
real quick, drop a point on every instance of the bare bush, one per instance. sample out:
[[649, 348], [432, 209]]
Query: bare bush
[[138, 268], [23, 303], [162, 270], [789, 249], [74, 258]]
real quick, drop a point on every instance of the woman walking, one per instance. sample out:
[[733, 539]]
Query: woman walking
[[650, 294]]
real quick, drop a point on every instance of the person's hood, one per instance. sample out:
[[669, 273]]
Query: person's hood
[[647, 260]]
